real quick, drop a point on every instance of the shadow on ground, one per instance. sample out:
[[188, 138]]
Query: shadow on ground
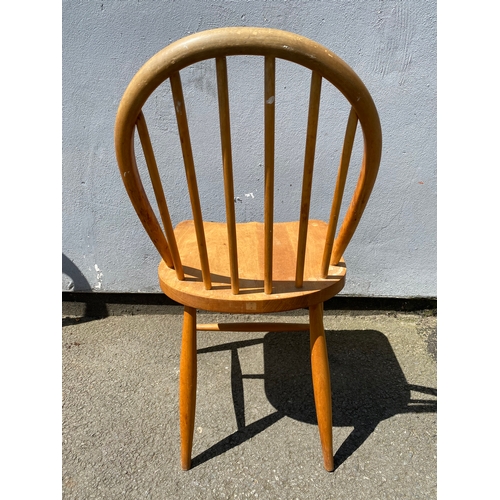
[[368, 386], [93, 310]]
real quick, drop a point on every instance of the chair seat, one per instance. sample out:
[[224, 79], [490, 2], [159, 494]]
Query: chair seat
[[250, 240]]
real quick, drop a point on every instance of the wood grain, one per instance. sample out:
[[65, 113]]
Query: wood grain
[[345, 159], [149, 156], [321, 383], [187, 385], [187, 153], [227, 165], [305, 202], [252, 297], [269, 118], [252, 327]]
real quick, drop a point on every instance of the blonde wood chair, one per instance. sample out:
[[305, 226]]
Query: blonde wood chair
[[253, 267]]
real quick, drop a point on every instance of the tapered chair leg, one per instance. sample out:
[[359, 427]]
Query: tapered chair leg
[[321, 383], [187, 391]]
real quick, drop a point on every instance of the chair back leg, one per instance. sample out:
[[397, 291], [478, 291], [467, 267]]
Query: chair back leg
[[321, 383], [187, 391]]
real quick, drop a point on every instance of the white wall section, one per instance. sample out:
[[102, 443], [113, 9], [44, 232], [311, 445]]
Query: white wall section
[[390, 44]]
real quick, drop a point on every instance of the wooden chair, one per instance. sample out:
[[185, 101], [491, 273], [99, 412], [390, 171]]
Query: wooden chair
[[245, 273]]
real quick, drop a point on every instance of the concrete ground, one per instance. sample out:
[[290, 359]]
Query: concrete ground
[[255, 431]]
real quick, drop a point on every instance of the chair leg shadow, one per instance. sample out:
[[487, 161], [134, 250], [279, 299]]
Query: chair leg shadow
[[237, 438], [368, 386]]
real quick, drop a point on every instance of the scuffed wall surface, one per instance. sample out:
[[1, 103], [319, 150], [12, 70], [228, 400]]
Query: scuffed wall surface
[[390, 44]]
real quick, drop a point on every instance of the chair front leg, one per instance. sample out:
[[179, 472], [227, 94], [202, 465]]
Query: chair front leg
[[321, 383], [187, 391]]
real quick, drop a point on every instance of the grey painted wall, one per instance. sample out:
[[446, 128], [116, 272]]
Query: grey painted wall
[[390, 44]]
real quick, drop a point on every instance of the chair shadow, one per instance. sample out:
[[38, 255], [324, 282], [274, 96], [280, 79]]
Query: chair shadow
[[367, 382]]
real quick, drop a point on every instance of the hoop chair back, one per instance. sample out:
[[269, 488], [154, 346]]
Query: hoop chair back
[[270, 44]]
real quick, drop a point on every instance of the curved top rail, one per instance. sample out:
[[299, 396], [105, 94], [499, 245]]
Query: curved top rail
[[247, 41]]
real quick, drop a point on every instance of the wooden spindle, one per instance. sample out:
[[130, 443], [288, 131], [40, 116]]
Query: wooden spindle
[[252, 327], [147, 147], [345, 159], [187, 153], [227, 165], [269, 116], [312, 128]]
